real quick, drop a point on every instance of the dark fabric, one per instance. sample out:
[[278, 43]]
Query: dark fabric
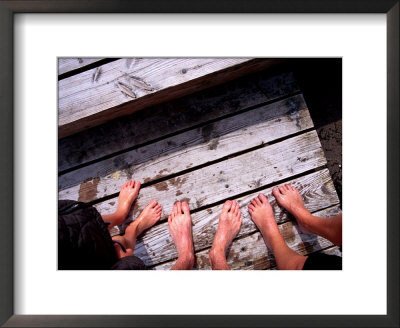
[[321, 261], [84, 242], [129, 263]]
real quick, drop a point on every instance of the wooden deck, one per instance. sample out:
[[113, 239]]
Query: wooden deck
[[230, 141]]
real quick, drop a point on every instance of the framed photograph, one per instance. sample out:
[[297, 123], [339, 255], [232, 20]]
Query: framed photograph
[[35, 293]]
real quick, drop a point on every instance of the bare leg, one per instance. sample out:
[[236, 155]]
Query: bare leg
[[263, 216], [127, 195], [149, 216], [290, 199], [180, 229], [229, 224]]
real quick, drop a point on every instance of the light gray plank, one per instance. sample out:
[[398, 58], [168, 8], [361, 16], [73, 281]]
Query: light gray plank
[[116, 89], [251, 253], [219, 181], [187, 150], [172, 117], [69, 64], [156, 246]]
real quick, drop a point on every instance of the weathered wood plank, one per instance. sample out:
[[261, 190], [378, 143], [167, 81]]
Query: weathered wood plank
[[233, 176], [172, 117], [116, 89], [70, 64], [193, 148], [156, 246], [251, 253]]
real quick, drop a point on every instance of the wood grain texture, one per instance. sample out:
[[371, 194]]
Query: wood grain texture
[[172, 117], [221, 180], [115, 89], [188, 150], [251, 253], [69, 64], [156, 246]]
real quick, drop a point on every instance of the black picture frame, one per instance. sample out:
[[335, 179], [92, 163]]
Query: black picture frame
[[11, 7]]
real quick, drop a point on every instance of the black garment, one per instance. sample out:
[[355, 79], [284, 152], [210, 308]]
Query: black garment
[[321, 261], [84, 242]]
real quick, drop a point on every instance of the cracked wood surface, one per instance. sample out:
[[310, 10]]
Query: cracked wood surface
[[199, 146], [127, 85], [171, 117], [233, 176]]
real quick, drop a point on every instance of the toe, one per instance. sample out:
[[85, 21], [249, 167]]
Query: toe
[[253, 202], [185, 208], [258, 202], [227, 206], [179, 206], [251, 208], [276, 192], [136, 185], [175, 210], [282, 189], [153, 203], [263, 198]]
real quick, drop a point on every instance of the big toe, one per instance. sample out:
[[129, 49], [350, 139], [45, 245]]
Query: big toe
[[185, 208], [136, 186], [263, 198], [227, 206], [276, 192]]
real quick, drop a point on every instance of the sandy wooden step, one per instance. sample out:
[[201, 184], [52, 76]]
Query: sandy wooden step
[[127, 85]]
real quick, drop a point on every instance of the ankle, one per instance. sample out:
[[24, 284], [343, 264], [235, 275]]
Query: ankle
[[187, 260]]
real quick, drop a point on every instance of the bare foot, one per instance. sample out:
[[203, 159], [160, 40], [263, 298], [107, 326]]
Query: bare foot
[[127, 195], [229, 224], [180, 229], [149, 216], [263, 216], [290, 199]]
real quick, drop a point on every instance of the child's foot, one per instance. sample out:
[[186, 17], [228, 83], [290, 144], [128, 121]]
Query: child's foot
[[149, 216], [180, 229], [229, 224], [127, 195], [290, 199]]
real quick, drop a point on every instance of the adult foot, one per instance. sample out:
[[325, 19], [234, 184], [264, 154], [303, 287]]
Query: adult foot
[[180, 229], [149, 216], [290, 199], [263, 216], [229, 224], [127, 195], [261, 212]]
